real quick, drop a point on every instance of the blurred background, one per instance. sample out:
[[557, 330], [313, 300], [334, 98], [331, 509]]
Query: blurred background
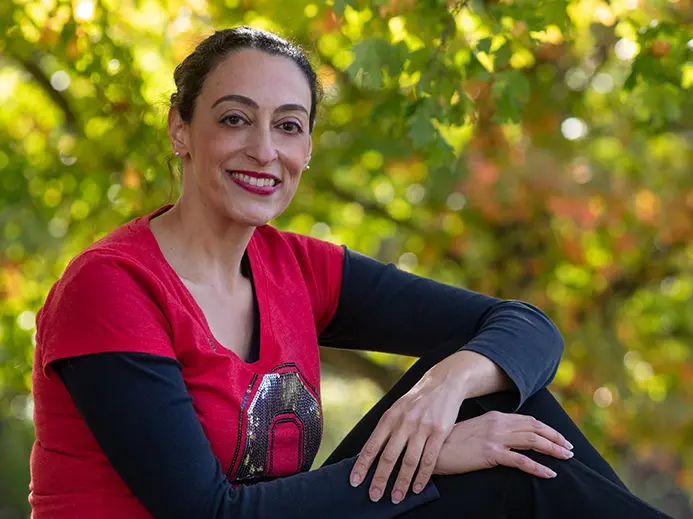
[[534, 150]]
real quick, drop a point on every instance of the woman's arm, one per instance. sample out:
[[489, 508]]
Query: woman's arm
[[384, 309], [489, 344], [139, 411]]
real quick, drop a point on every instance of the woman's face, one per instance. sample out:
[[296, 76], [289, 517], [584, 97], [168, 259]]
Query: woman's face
[[249, 141]]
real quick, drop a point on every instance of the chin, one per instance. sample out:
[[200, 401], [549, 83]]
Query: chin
[[244, 210], [253, 217]]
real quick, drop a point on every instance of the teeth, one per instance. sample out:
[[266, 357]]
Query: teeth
[[253, 181]]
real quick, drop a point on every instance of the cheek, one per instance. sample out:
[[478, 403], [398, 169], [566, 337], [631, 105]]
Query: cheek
[[289, 194], [294, 154], [212, 140], [216, 142]]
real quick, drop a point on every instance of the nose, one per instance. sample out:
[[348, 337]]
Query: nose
[[261, 147]]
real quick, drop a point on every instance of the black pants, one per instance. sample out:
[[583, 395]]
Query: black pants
[[586, 486]]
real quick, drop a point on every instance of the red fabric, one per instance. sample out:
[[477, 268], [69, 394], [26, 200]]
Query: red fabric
[[121, 295]]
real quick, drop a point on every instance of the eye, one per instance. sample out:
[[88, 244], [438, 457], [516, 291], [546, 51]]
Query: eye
[[291, 127], [233, 120]]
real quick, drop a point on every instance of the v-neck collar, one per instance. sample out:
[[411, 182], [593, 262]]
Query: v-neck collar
[[256, 280]]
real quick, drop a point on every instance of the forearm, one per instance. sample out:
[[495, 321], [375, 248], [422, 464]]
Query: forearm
[[384, 309], [157, 446], [470, 374]]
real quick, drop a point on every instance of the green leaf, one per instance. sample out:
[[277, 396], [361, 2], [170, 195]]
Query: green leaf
[[476, 70], [365, 70], [510, 90], [419, 59], [513, 82], [631, 80], [507, 109], [421, 130], [503, 55], [484, 45], [339, 5], [555, 13], [518, 85], [371, 57], [394, 56]]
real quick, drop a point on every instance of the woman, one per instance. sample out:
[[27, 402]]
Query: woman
[[177, 374]]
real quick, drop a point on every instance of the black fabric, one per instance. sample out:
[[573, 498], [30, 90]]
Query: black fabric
[[382, 308], [139, 410], [585, 487], [254, 353]]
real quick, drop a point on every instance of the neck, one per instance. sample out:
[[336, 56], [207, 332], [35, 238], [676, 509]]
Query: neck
[[202, 246]]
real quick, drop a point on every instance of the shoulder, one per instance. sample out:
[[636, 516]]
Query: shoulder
[[99, 280], [123, 257], [300, 246], [297, 260], [111, 275], [103, 269], [104, 301]]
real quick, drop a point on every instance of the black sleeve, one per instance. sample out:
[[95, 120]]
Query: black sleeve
[[382, 308], [139, 410]]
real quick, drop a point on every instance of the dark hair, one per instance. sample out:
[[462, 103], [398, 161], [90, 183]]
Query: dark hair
[[191, 73]]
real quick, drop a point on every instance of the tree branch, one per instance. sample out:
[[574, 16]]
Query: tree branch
[[447, 32], [374, 208], [650, 270], [368, 205], [61, 102]]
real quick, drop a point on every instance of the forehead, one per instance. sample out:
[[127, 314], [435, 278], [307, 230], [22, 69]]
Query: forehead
[[270, 81]]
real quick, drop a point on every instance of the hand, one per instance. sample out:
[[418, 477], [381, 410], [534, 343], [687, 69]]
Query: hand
[[485, 441], [420, 421]]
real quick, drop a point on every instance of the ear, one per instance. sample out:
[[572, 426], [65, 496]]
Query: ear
[[177, 132], [310, 148]]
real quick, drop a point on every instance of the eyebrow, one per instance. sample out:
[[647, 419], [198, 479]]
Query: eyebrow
[[289, 107]]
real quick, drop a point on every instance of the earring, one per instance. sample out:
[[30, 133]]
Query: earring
[[306, 168], [177, 154]]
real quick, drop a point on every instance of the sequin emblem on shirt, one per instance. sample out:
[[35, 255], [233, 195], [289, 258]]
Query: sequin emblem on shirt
[[281, 398]]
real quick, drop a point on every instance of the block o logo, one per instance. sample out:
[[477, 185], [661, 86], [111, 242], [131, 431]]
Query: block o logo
[[283, 428]]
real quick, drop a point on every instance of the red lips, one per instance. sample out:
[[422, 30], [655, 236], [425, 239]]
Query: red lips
[[255, 182]]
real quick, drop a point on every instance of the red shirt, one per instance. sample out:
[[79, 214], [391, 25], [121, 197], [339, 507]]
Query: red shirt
[[262, 419]]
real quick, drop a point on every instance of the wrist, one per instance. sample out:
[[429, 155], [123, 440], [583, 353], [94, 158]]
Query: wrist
[[457, 376], [470, 374]]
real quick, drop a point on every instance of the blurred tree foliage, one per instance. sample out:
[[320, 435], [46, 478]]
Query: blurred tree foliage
[[535, 150]]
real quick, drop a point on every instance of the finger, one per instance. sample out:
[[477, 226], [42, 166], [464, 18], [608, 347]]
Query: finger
[[428, 461], [371, 449], [386, 463], [525, 464], [411, 460], [531, 424], [535, 442]]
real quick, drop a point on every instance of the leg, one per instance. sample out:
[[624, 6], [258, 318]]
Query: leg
[[586, 486]]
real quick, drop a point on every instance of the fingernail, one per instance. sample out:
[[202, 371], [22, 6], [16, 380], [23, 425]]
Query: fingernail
[[375, 494], [569, 454], [570, 445], [551, 473], [355, 480], [418, 488], [397, 496]]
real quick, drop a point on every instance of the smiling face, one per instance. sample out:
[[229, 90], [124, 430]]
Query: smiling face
[[248, 142]]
